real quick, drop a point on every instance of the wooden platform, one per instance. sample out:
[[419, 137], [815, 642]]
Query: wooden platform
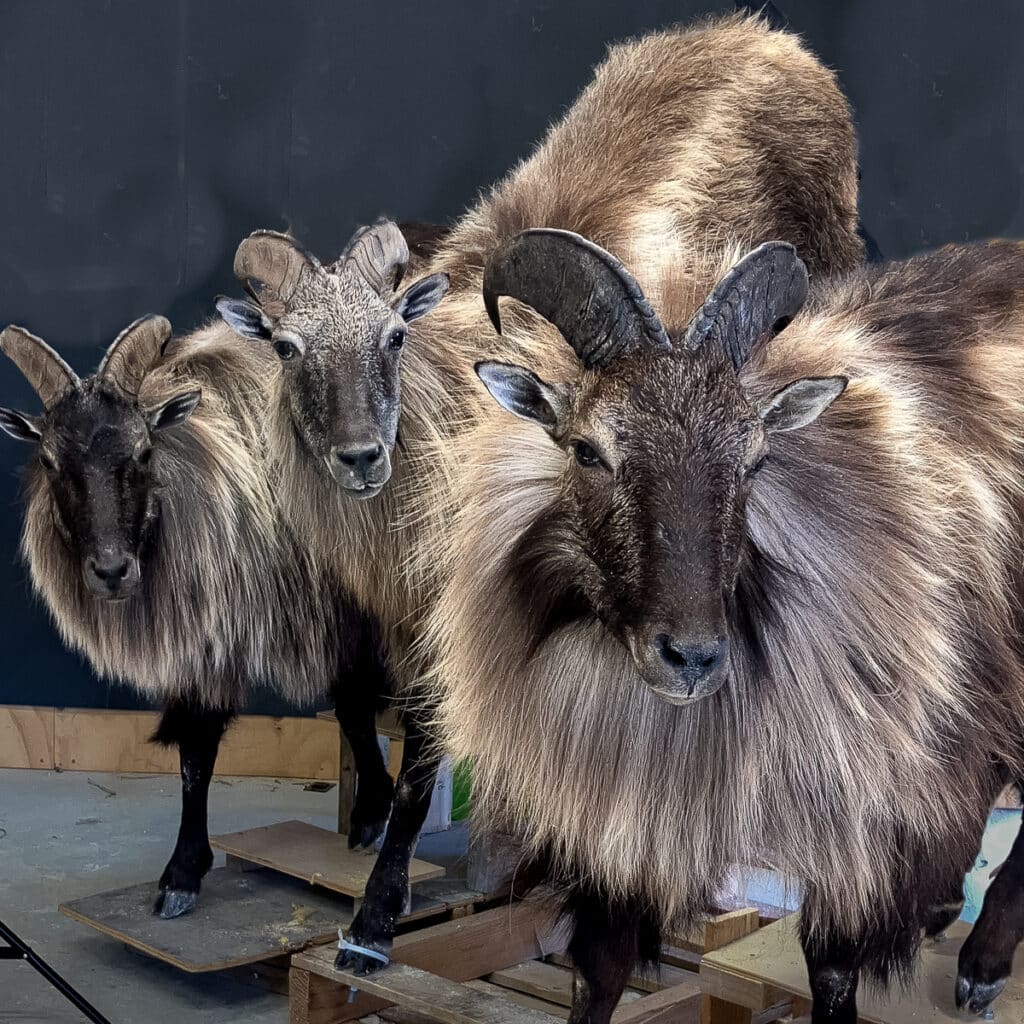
[[240, 919], [315, 855], [440, 972], [767, 965]]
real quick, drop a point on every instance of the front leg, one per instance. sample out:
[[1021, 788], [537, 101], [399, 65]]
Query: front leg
[[609, 941], [834, 972], [197, 732], [986, 957], [387, 890]]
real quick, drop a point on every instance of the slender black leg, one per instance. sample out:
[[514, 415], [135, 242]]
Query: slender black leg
[[609, 942], [388, 887], [357, 713], [986, 957], [834, 972], [197, 732]]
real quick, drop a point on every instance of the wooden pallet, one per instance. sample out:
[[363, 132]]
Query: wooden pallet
[[768, 966], [507, 964]]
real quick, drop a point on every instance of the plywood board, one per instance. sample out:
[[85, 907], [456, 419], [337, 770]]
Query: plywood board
[[313, 854], [240, 919], [26, 737], [388, 723], [772, 956], [118, 741]]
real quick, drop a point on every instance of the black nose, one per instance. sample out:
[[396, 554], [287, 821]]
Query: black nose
[[359, 458], [694, 659], [110, 571]]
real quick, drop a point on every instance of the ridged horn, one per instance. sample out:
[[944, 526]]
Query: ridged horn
[[764, 290], [593, 300], [380, 253], [270, 266], [132, 353], [48, 374]]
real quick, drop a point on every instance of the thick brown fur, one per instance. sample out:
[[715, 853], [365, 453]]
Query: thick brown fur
[[229, 597], [876, 697], [687, 134]]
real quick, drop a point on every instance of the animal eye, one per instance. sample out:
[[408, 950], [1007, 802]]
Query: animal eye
[[586, 454], [145, 457], [47, 463], [396, 339], [285, 349]]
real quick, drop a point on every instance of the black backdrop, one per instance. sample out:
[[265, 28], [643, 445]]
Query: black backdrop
[[141, 140]]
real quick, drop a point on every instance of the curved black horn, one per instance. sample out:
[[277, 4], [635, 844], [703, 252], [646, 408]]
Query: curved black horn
[[583, 290], [759, 295]]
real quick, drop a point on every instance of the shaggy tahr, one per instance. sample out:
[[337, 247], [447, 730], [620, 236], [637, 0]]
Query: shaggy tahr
[[689, 137], [152, 535], [743, 583]]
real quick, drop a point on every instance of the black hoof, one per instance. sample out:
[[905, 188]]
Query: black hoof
[[365, 833], [976, 996], [172, 903], [357, 963]]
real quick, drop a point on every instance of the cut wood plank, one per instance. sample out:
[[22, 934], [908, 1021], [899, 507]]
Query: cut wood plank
[[544, 981], [680, 1004], [459, 950], [772, 957], [444, 1000], [555, 1009], [26, 737], [388, 723], [240, 919], [316, 855], [719, 931], [118, 741]]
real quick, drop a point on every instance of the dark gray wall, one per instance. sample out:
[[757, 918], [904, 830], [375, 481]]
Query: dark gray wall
[[140, 141]]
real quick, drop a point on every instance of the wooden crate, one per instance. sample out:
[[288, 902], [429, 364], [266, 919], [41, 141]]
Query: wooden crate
[[768, 966]]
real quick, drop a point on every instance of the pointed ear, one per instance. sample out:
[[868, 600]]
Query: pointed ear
[[523, 393], [19, 425], [245, 318], [801, 402], [174, 411], [420, 298]]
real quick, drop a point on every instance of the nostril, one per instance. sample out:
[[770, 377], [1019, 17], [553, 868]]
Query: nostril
[[359, 458], [373, 454], [693, 659], [109, 571]]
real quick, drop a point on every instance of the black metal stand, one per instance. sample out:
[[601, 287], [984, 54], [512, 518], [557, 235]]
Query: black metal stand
[[18, 950]]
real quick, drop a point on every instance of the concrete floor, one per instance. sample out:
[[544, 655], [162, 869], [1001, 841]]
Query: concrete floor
[[62, 837]]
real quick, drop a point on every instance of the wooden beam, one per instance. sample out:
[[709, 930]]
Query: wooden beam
[[444, 1000], [458, 950], [720, 931], [26, 737], [118, 741], [680, 1004]]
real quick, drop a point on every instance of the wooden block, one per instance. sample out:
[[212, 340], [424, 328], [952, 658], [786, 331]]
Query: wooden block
[[719, 931], [521, 998], [654, 981], [679, 1004], [313, 854], [26, 737], [118, 741], [314, 1000], [771, 957], [347, 779], [457, 950], [240, 919], [444, 1000], [492, 859]]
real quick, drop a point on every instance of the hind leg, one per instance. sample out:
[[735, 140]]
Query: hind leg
[[609, 942], [986, 957], [197, 732]]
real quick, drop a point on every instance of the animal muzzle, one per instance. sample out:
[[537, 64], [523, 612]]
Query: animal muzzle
[[682, 667], [360, 469], [111, 576]]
